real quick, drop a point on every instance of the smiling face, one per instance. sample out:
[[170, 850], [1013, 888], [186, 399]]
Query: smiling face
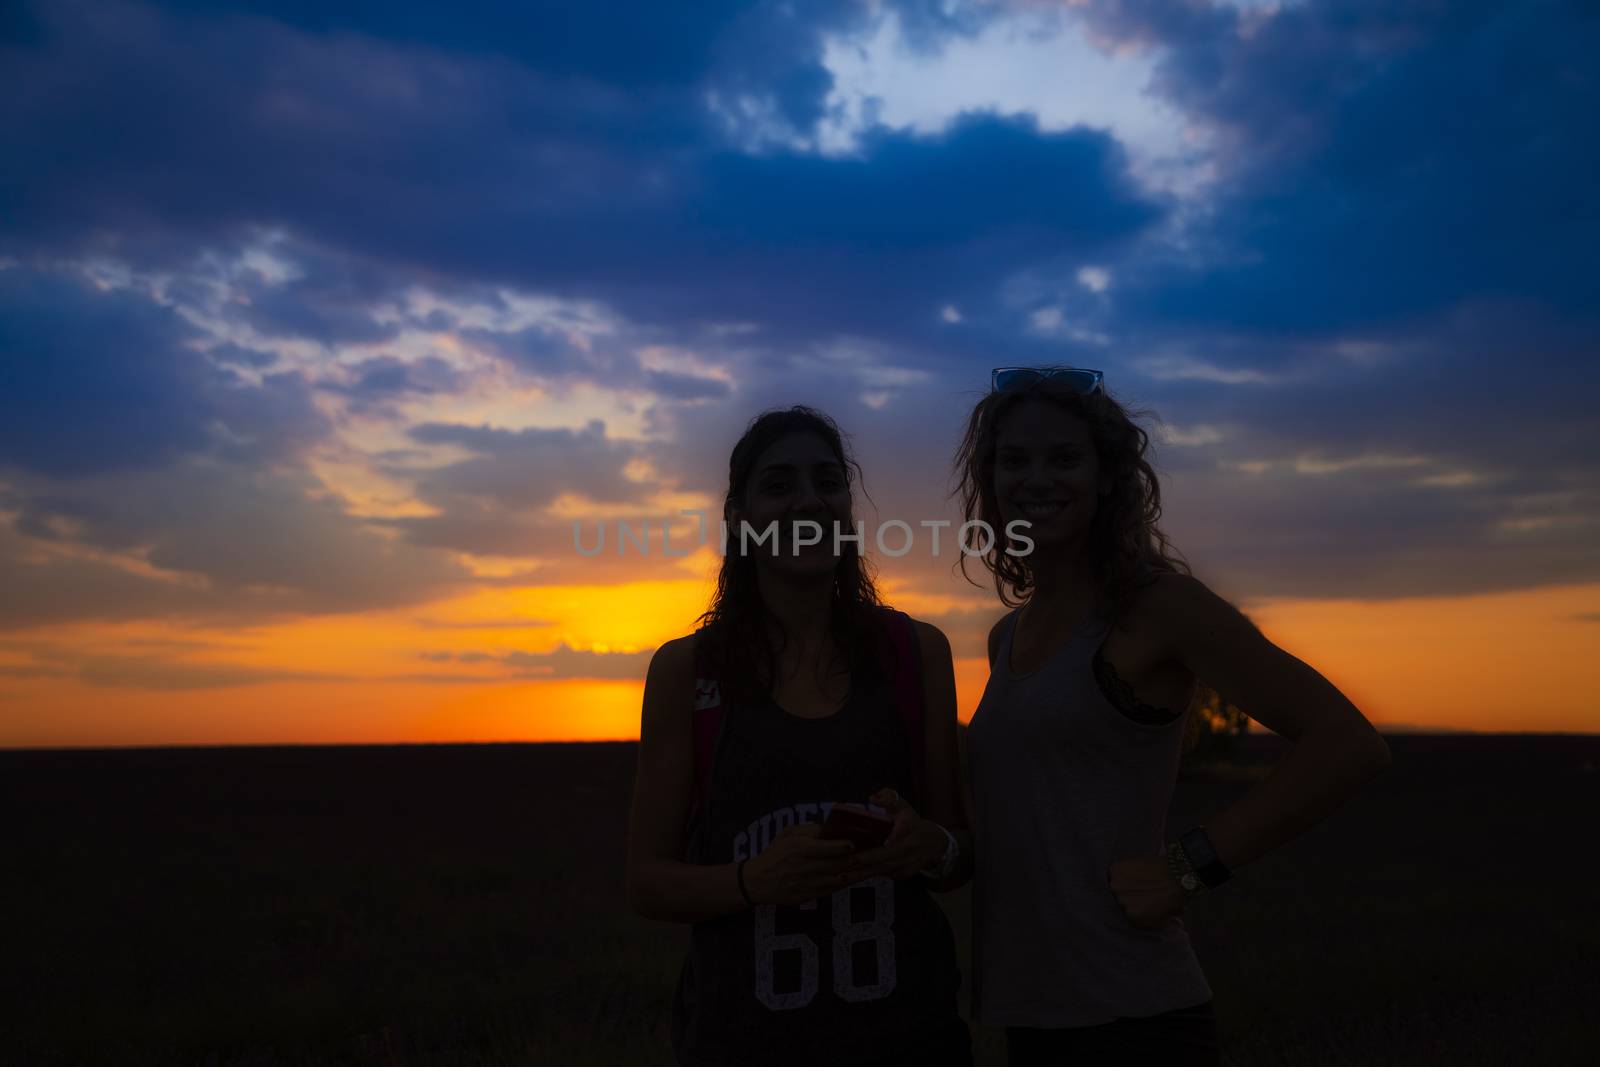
[[1046, 472], [796, 477]]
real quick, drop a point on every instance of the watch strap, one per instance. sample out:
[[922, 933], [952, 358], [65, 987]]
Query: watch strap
[[1202, 856], [1183, 871]]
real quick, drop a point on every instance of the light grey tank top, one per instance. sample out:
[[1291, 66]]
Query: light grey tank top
[[1063, 784]]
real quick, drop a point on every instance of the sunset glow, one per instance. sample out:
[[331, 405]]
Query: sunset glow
[[321, 330]]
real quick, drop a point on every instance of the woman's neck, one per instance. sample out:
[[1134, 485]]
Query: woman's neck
[[1063, 586], [801, 607]]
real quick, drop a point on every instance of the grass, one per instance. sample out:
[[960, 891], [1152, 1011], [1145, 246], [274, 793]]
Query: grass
[[463, 905]]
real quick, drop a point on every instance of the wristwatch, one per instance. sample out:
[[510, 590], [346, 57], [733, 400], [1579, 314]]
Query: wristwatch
[[1183, 871], [947, 863], [1202, 857]]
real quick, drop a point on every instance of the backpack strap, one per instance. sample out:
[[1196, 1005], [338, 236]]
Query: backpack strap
[[709, 712]]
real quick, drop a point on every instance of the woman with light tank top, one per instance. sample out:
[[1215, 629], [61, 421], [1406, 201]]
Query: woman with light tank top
[[1079, 950]]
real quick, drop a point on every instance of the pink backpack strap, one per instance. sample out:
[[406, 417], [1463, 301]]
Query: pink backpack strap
[[905, 675], [708, 715]]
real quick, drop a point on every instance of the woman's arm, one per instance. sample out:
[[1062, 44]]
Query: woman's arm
[[1335, 750], [796, 867], [946, 793], [660, 884], [916, 842]]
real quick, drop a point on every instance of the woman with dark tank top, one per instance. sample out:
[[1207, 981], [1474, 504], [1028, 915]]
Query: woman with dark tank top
[[1079, 950], [800, 691]]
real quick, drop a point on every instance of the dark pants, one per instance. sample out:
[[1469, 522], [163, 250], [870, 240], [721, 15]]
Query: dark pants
[[1184, 1038]]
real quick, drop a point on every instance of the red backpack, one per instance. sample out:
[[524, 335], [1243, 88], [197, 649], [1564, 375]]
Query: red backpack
[[905, 677]]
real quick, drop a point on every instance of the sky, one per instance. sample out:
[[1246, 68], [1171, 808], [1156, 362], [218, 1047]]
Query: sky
[[322, 323]]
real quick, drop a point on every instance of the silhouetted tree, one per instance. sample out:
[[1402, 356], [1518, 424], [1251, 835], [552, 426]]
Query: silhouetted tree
[[1214, 727]]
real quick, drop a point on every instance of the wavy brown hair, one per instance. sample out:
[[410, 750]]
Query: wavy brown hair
[[1126, 546], [732, 635]]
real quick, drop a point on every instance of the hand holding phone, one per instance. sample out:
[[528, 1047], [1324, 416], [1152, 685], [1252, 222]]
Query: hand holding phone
[[853, 823]]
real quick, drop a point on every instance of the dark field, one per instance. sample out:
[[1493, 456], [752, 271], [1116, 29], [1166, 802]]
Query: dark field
[[463, 905]]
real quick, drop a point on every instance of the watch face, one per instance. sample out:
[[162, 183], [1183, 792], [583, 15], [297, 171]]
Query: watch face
[[1191, 883], [1198, 848]]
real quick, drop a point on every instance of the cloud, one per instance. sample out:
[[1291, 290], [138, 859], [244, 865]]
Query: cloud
[[372, 386], [1379, 160], [557, 182], [67, 351], [568, 662], [1354, 272], [562, 662], [103, 381], [519, 471], [201, 540], [486, 624], [685, 386], [155, 673]]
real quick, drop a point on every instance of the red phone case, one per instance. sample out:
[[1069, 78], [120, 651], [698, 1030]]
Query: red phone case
[[856, 825]]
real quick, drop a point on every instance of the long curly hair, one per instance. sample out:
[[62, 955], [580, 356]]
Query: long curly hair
[[732, 634], [1126, 546]]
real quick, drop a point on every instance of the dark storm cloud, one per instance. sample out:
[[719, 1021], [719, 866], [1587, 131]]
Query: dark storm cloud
[[95, 381], [429, 163], [639, 45], [1382, 160]]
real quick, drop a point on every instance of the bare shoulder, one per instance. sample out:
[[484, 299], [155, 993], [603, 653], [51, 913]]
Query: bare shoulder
[[930, 639], [1166, 591], [675, 657], [669, 684], [1176, 610]]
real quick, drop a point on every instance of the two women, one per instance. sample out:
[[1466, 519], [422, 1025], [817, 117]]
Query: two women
[[800, 691]]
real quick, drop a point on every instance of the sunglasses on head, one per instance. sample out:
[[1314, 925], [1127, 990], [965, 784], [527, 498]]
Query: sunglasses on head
[[1078, 379]]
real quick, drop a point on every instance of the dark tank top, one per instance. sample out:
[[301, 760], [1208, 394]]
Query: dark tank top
[[858, 976]]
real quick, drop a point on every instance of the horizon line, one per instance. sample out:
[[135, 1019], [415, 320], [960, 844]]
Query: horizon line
[[1401, 731]]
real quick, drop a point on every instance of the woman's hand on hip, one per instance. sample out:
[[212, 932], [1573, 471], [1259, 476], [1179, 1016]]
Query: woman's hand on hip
[[1146, 890]]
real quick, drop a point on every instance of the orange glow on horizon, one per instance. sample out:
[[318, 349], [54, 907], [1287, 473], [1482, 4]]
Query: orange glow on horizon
[[1520, 661]]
